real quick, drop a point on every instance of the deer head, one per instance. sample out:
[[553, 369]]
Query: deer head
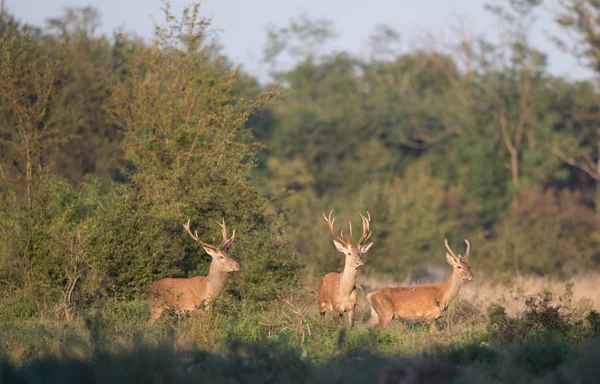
[[353, 253], [460, 263], [220, 254]]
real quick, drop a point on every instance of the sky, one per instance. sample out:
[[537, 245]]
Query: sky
[[242, 24]]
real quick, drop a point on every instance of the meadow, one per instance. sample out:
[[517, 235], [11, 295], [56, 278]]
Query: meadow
[[108, 144], [528, 330]]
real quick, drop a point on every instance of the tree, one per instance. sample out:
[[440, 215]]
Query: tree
[[581, 20], [31, 95], [302, 39], [189, 155], [92, 69], [42, 234]]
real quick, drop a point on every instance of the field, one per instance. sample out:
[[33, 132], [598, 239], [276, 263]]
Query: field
[[109, 143], [535, 339]]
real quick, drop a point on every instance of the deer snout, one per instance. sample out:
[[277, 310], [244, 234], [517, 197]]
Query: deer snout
[[360, 262], [236, 267]]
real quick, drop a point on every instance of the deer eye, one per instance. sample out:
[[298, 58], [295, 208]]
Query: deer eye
[[459, 267]]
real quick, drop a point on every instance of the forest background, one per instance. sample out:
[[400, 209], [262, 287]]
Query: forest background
[[108, 144]]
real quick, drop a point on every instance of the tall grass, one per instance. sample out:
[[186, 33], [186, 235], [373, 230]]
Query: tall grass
[[492, 332]]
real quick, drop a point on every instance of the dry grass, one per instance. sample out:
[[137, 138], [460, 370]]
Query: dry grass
[[509, 293]]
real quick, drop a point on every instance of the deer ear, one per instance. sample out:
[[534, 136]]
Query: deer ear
[[365, 248], [339, 246], [450, 259], [211, 252]]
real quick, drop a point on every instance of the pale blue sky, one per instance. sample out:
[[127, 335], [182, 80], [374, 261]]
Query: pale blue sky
[[243, 22]]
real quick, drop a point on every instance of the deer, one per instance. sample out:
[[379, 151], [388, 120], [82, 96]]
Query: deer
[[426, 302], [337, 291], [189, 294]]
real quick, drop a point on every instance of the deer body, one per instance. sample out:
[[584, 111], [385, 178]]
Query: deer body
[[189, 294], [337, 291], [426, 302]]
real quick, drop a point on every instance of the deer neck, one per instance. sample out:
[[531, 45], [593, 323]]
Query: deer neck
[[216, 280], [452, 287], [347, 281]]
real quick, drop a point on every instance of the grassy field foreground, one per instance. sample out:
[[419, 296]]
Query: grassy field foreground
[[537, 330]]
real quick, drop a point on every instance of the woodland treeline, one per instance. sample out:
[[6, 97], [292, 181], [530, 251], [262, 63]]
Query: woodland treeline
[[108, 144]]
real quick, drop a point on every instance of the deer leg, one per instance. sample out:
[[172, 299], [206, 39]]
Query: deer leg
[[382, 311], [336, 317], [322, 308], [433, 325], [155, 313], [384, 320], [374, 319], [351, 317], [199, 313]]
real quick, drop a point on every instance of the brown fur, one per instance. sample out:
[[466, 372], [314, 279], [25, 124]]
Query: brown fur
[[337, 291], [189, 294], [330, 299], [425, 302]]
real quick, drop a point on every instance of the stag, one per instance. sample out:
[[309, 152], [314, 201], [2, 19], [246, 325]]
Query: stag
[[337, 291], [189, 294], [425, 302]]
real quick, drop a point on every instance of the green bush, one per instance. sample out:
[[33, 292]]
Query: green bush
[[539, 355], [70, 246], [593, 319], [540, 318]]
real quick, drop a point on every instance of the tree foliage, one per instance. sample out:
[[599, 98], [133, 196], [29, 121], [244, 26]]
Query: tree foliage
[[185, 152], [109, 144]]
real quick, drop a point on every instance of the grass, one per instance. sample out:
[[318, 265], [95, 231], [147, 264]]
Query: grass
[[548, 334]]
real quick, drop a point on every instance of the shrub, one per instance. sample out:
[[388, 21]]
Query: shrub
[[539, 355], [593, 319], [188, 155], [542, 317]]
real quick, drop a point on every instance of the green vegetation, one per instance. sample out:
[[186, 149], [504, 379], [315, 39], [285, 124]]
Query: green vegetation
[[109, 144], [290, 342]]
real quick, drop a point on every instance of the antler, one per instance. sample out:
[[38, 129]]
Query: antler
[[449, 249], [226, 242], [195, 236], [339, 237], [466, 256], [366, 228]]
